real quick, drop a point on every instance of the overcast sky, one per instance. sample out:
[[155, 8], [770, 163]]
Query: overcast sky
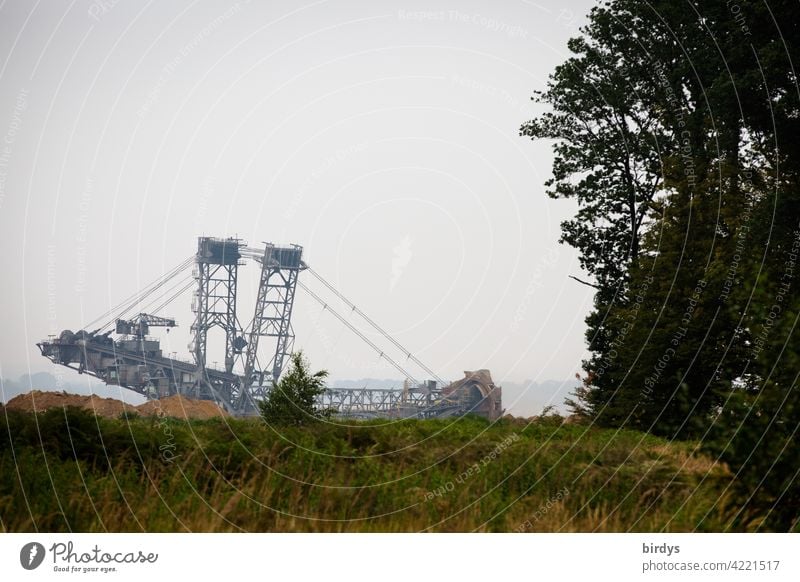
[[383, 137]]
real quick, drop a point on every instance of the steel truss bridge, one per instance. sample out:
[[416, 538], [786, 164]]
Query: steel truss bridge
[[386, 403], [255, 353]]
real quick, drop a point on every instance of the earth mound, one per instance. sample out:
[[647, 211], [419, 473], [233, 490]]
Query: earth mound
[[176, 406]]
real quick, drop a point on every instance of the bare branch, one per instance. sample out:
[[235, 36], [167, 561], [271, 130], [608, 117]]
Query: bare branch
[[584, 282]]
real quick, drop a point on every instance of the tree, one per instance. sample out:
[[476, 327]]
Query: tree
[[694, 331], [292, 401], [652, 164], [607, 147], [757, 426]]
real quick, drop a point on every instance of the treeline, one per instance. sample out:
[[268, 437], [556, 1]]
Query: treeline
[[676, 128]]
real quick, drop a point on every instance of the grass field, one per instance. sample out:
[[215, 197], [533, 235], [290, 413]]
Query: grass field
[[67, 470]]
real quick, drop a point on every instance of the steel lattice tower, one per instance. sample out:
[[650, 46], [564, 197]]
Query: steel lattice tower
[[217, 262], [279, 269]]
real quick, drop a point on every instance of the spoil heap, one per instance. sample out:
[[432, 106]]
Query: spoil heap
[[176, 406]]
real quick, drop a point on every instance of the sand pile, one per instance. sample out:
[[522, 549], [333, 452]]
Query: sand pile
[[177, 406], [181, 407], [39, 401]]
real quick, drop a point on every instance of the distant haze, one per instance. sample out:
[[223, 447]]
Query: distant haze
[[383, 137]]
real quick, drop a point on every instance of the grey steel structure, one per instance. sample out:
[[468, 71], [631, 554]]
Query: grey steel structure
[[411, 401], [135, 360], [272, 318], [214, 304]]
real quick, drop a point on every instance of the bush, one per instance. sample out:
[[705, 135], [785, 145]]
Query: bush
[[292, 401]]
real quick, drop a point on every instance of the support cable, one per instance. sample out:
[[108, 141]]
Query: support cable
[[140, 296], [177, 294], [380, 330], [171, 273], [352, 328]]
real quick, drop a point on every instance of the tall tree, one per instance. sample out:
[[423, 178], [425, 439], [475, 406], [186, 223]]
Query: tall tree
[[756, 430], [692, 239], [644, 152], [607, 147]]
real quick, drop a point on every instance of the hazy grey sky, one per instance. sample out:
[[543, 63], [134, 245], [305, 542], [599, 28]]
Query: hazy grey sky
[[383, 137]]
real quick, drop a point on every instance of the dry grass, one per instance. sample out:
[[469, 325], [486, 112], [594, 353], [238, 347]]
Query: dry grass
[[70, 471]]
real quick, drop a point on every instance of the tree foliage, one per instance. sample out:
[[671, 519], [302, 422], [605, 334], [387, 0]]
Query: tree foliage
[[292, 401], [675, 129]]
